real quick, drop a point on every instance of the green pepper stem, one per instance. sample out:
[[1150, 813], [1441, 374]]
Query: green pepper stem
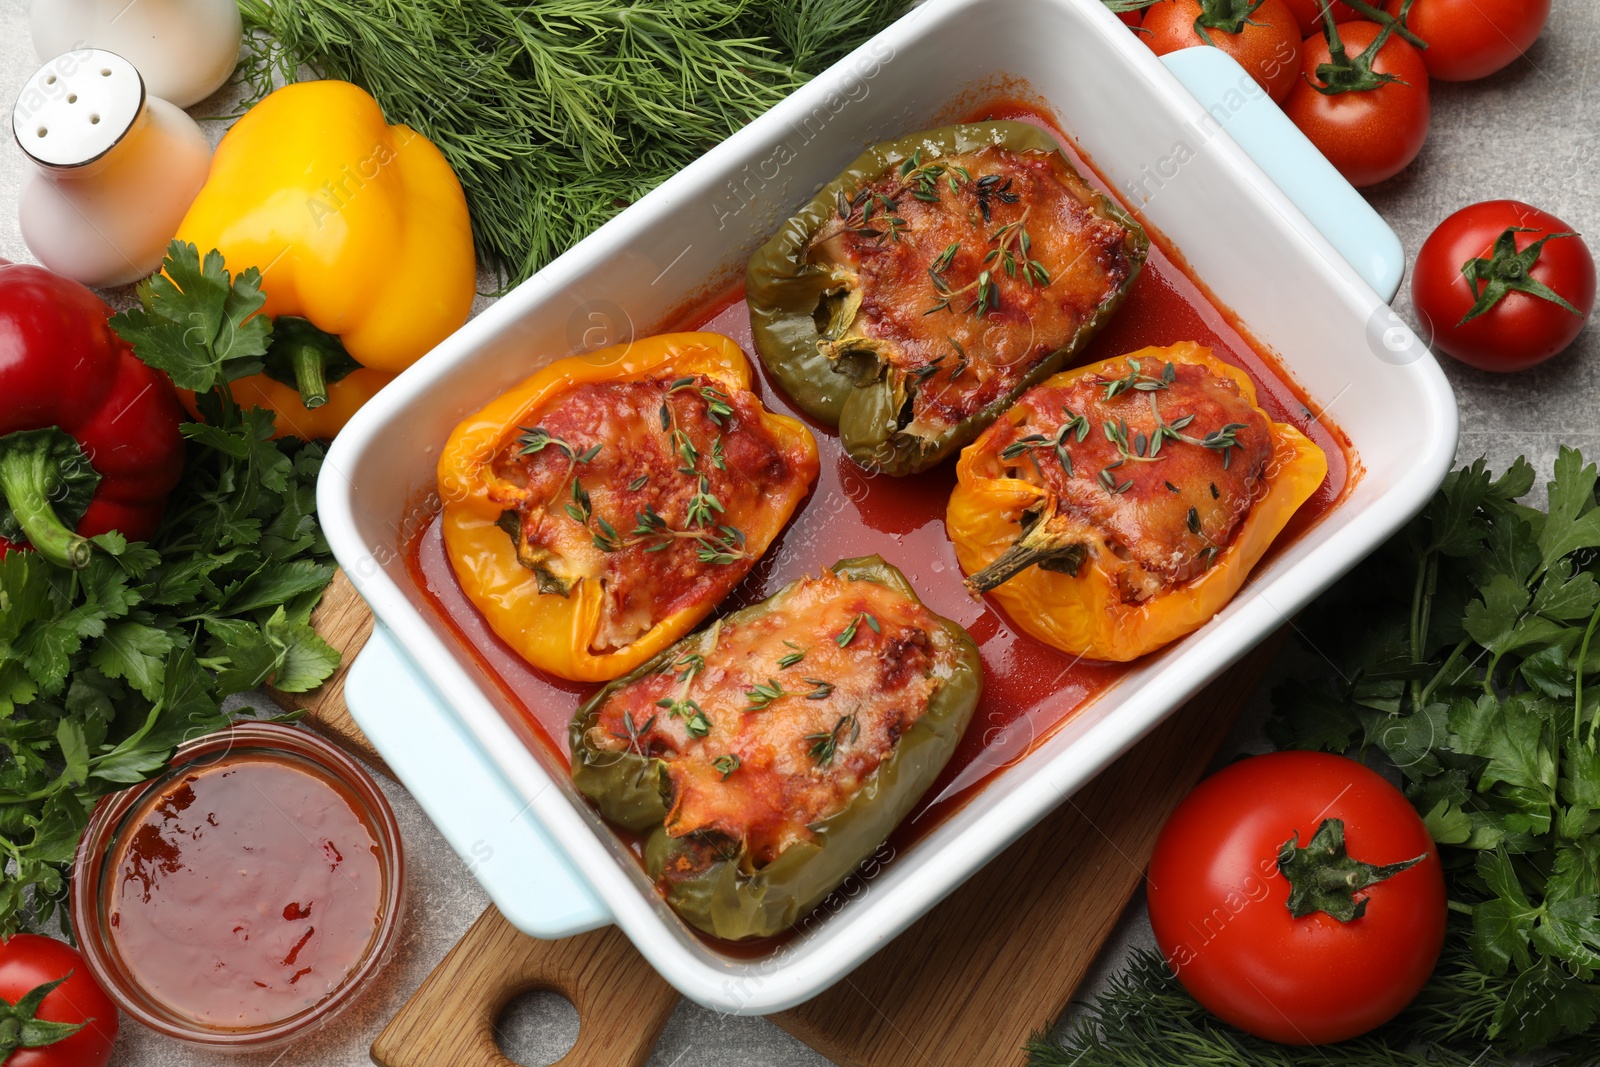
[[1040, 547], [26, 480], [310, 365]]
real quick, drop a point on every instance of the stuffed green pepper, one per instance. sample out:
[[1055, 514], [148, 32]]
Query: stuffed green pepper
[[933, 282], [768, 755]]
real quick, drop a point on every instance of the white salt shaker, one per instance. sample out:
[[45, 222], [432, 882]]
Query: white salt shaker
[[115, 169], [184, 49]]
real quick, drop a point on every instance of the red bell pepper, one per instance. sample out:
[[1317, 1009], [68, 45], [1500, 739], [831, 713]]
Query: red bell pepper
[[89, 438]]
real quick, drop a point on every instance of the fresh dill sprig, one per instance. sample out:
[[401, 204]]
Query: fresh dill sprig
[[557, 115]]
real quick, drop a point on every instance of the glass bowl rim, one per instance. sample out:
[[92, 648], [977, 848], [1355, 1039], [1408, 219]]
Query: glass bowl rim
[[94, 855]]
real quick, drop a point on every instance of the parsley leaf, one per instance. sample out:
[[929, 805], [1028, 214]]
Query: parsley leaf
[[195, 321]]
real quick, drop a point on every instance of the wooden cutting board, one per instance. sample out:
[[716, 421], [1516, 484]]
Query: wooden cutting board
[[996, 961]]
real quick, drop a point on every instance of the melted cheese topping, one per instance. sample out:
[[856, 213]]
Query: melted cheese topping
[[649, 488], [1155, 516], [774, 724], [1024, 221]]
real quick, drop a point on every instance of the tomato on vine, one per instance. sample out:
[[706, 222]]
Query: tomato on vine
[[1363, 99], [1299, 897], [1262, 35], [1470, 39], [1503, 286]]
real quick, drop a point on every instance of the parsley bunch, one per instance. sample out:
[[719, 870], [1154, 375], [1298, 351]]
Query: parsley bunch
[[1466, 672], [1462, 658], [105, 671]]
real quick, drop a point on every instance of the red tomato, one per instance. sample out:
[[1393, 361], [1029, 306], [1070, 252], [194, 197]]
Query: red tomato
[[1220, 904], [1368, 134], [1309, 14], [1470, 39], [28, 961], [1267, 44], [1131, 19], [1521, 328]]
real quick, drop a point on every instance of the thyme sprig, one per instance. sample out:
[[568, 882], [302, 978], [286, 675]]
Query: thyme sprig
[[1141, 448], [717, 409], [825, 745], [580, 509], [992, 187], [919, 179], [985, 300], [715, 542], [727, 764], [536, 439], [761, 695], [1012, 242], [1076, 426], [1139, 381], [695, 722], [635, 733], [822, 690], [1222, 440], [848, 634], [961, 358]]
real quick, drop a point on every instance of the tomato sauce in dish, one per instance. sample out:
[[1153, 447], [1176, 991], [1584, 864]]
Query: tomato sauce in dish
[[1030, 690], [245, 891]]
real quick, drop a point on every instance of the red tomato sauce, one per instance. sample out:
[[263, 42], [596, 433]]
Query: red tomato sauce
[[1030, 690], [246, 891]]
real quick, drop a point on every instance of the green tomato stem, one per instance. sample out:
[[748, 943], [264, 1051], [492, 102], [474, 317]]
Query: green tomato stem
[[1324, 877], [19, 1028]]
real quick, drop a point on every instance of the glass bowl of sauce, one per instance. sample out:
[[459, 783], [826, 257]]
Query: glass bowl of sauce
[[247, 895]]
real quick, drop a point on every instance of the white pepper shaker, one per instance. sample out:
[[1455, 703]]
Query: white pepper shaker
[[184, 49], [114, 168]]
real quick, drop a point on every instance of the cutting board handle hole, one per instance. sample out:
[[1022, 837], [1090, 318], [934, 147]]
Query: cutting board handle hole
[[533, 1024]]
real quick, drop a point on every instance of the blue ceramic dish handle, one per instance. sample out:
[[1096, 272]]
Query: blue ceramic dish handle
[[524, 872], [1293, 163], [506, 849]]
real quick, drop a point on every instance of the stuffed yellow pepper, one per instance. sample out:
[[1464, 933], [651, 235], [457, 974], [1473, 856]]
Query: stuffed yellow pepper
[[1120, 505], [361, 233], [598, 511]]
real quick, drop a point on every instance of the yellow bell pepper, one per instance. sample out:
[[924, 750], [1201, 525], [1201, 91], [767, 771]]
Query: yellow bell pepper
[[362, 236], [621, 473], [1025, 540]]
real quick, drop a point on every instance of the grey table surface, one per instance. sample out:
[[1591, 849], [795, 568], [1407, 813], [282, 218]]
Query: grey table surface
[[1527, 133]]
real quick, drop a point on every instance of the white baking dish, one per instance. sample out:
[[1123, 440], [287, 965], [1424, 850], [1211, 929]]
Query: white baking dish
[[544, 856]]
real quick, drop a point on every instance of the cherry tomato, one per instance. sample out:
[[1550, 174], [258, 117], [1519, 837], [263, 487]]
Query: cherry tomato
[[1368, 134], [1267, 44], [1309, 14], [1220, 898], [1470, 39], [1521, 328], [1131, 19], [27, 962]]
